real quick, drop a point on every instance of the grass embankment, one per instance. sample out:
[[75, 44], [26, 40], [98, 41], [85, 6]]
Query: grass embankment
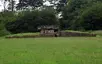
[[99, 32], [71, 33], [77, 50], [67, 32], [23, 35]]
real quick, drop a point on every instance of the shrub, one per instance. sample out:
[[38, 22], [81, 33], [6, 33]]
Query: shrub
[[4, 18], [4, 32]]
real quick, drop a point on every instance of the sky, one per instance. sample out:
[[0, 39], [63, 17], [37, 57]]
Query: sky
[[1, 4]]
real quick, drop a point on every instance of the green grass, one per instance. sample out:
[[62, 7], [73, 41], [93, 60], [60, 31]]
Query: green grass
[[75, 31], [73, 50], [23, 34], [97, 32]]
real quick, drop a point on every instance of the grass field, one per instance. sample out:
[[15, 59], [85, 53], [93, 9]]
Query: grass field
[[73, 50]]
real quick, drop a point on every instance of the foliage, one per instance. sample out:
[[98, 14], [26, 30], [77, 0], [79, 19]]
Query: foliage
[[58, 4], [4, 32], [91, 18], [30, 20], [23, 4], [5, 17], [11, 5], [73, 11]]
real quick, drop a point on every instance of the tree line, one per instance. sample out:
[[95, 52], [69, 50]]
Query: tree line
[[27, 15]]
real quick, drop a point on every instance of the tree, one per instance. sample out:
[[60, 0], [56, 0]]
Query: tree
[[58, 4], [11, 5], [24, 4], [91, 18], [72, 11], [5, 17], [28, 21]]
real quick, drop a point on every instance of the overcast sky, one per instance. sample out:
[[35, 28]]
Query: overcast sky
[[1, 7], [1, 4]]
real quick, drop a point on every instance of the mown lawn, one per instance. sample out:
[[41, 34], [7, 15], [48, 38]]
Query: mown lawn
[[73, 50]]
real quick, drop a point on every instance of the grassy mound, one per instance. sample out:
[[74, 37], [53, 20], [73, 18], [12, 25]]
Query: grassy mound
[[98, 32], [77, 31], [66, 33], [23, 35], [71, 33]]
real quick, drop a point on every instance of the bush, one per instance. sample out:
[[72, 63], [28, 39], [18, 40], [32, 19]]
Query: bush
[[4, 32], [4, 18]]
